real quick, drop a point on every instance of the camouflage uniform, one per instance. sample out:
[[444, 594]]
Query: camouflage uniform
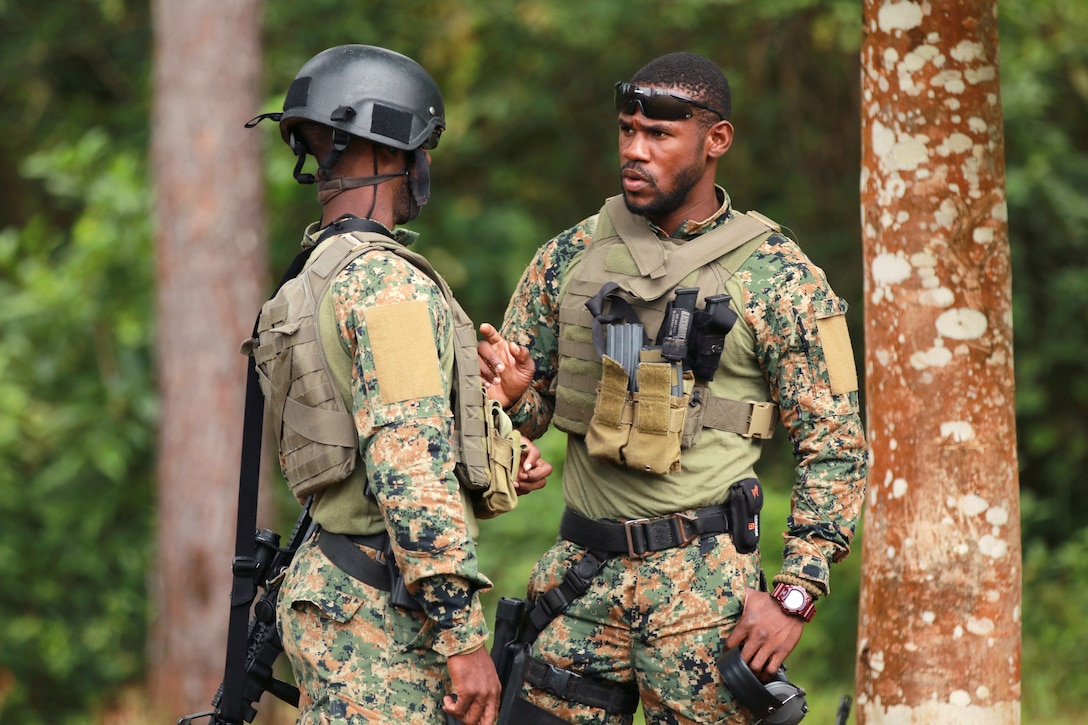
[[660, 621], [357, 658]]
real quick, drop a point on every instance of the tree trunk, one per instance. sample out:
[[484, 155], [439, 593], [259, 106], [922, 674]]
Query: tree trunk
[[939, 633], [211, 270]]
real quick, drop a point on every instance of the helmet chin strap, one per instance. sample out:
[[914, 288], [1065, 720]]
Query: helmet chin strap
[[419, 181], [328, 190]]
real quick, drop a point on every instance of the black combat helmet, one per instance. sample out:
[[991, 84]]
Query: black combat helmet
[[370, 92], [376, 94]]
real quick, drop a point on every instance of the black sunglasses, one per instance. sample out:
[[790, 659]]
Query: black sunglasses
[[657, 104]]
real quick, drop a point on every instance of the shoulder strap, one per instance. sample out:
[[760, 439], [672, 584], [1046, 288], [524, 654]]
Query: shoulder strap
[[555, 601], [662, 273], [350, 223], [244, 565]]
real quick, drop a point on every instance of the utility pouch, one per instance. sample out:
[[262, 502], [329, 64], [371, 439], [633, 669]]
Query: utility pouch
[[505, 449], [613, 413], [654, 444], [745, 503], [641, 430]]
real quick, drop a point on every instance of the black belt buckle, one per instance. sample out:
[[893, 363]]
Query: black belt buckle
[[559, 682], [679, 535]]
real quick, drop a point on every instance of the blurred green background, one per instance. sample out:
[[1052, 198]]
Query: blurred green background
[[530, 150]]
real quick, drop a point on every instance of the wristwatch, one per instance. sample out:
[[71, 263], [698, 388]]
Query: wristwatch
[[795, 600]]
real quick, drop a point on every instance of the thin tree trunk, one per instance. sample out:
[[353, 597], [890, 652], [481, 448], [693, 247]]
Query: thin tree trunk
[[211, 270], [939, 633]]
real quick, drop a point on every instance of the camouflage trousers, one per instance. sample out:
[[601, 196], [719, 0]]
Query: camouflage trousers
[[356, 658], [658, 622]]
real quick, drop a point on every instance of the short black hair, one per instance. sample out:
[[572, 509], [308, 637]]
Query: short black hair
[[693, 75]]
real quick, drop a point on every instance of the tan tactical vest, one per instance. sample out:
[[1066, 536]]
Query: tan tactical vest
[[305, 406], [624, 250]]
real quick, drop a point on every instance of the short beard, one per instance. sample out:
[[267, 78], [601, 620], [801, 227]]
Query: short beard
[[402, 201], [666, 203]]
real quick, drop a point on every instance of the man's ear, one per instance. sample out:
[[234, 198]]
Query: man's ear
[[718, 139]]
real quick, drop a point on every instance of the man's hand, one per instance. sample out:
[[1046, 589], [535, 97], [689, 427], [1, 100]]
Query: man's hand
[[768, 634], [476, 688], [506, 368], [534, 470]]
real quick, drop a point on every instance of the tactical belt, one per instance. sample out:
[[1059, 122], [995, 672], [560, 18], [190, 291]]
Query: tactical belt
[[613, 697], [640, 537], [343, 551]]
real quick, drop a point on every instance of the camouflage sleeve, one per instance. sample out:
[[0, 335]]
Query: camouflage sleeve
[[532, 320], [802, 347], [394, 323]]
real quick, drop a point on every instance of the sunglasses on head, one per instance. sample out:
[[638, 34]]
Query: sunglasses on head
[[657, 104]]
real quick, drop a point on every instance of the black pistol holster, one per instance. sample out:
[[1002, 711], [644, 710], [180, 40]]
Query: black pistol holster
[[517, 625]]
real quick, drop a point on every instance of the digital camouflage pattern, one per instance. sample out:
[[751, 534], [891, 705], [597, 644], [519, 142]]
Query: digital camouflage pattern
[[356, 658], [336, 629], [658, 621], [782, 294]]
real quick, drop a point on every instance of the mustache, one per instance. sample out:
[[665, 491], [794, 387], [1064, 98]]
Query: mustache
[[632, 169]]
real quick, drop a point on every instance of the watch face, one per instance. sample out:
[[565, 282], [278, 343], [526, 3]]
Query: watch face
[[794, 599]]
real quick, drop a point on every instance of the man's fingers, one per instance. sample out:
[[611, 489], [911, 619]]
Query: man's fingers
[[490, 333], [459, 707], [491, 713], [470, 711]]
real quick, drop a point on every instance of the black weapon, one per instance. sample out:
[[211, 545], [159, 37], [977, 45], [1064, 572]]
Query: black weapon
[[263, 645], [248, 669], [509, 653], [844, 710], [509, 624], [711, 325], [677, 324]]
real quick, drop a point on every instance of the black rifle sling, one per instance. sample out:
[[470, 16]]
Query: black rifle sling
[[244, 566], [244, 588]]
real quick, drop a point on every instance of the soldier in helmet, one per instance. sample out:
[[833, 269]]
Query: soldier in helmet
[[379, 612], [666, 335]]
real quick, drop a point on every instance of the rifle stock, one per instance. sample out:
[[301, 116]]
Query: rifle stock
[[263, 645]]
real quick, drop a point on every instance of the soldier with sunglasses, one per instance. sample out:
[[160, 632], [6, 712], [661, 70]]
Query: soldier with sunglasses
[[656, 574]]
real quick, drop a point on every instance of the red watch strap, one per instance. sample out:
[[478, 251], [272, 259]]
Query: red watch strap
[[807, 608]]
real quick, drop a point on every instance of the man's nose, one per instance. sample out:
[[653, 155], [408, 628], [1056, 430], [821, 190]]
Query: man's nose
[[634, 148]]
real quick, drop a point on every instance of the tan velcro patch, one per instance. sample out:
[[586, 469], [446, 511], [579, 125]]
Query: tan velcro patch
[[404, 350], [835, 339]]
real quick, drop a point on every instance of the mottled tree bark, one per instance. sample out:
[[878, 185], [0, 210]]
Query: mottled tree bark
[[211, 277], [939, 635]]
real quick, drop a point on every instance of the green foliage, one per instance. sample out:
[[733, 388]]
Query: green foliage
[[1055, 660], [1045, 98], [530, 150], [531, 143], [67, 67], [77, 436]]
